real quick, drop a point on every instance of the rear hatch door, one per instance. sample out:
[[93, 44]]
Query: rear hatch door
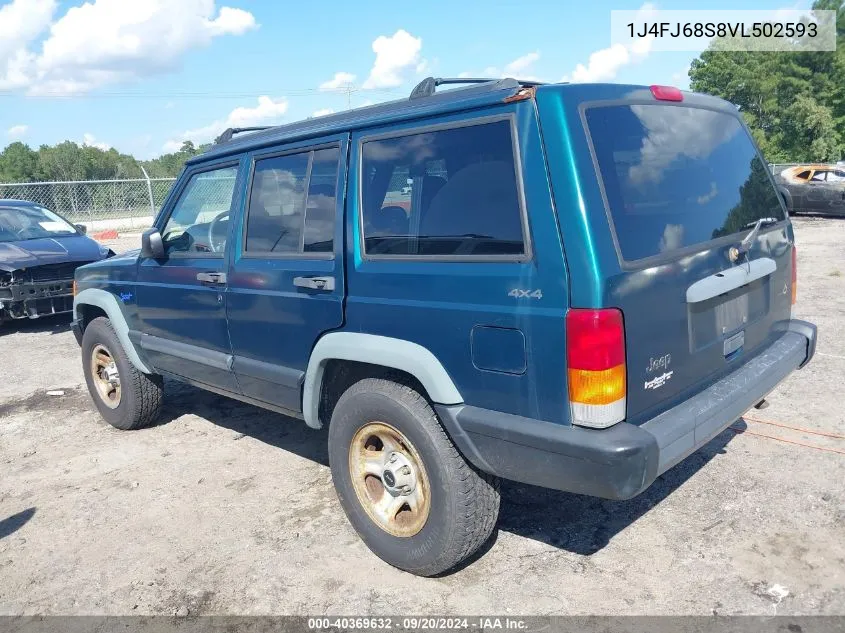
[[702, 246]]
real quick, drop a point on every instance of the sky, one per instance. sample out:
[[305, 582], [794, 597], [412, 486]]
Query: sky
[[145, 75]]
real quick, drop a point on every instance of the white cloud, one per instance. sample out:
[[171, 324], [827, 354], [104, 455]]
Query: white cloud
[[89, 140], [341, 80], [520, 68], [17, 131], [21, 21], [266, 112], [672, 238], [323, 112], [172, 146], [674, 132], [604, 64], [105, 41], [522, 64], [230, 22], [396, 57]]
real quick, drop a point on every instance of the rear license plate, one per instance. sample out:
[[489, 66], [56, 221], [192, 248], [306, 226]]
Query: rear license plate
[[734, 343]]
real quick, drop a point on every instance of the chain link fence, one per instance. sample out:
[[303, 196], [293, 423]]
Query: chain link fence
[[99, 204]]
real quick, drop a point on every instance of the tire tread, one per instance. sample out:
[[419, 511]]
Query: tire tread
[[145, 391], [477, 492]]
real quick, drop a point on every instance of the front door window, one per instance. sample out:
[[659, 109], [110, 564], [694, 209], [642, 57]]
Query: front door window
[[199, 222]]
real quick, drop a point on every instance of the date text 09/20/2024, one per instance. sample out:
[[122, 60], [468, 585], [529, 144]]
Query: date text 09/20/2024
[[417, 623]]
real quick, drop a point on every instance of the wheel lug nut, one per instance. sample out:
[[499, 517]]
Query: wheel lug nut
[[393, 458], [406, 470]]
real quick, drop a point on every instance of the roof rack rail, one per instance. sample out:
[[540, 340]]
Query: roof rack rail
[[428, 86], [227, 135]]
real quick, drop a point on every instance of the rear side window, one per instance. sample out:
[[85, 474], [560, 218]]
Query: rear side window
[[450, 192], [677, 176], [292, 203]]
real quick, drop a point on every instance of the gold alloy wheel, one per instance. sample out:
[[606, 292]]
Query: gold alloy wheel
[[389, 479], [105, 375]]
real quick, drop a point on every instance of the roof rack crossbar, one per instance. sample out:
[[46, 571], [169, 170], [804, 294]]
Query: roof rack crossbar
[[227, 135], [428, 86]]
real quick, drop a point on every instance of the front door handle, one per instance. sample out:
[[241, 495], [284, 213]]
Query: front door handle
[[211, 278], [314, 283]]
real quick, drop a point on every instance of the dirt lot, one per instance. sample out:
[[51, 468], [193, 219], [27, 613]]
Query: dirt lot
[[226, 508]]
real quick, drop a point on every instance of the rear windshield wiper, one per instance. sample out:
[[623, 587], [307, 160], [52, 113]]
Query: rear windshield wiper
[[745, 245], [762, 222]]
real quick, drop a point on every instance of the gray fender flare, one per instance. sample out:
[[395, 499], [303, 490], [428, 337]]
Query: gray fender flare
[[108, 302], [377, 350]]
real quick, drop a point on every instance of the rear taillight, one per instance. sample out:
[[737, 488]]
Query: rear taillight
[[595, 354], [794, 274]]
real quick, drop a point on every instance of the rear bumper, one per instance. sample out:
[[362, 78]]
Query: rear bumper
[[622, 461]]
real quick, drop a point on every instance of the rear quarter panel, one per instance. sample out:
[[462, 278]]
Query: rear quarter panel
[[441, 305]]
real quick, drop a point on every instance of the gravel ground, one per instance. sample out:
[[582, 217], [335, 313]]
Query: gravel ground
[[224, 508]]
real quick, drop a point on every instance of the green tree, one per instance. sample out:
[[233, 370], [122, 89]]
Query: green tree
[[171, 164], [793, 102], [18, 163], [65, 161]]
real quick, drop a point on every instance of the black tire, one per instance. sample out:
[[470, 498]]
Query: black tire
[[464, 502], [141, 394]]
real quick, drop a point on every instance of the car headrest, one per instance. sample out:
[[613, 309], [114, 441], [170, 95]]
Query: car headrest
[[479, 197]]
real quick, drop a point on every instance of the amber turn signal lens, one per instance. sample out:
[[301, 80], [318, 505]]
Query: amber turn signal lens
[[604, 386]]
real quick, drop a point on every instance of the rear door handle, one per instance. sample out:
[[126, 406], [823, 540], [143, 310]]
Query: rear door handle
[[211, 278], [314, 283]]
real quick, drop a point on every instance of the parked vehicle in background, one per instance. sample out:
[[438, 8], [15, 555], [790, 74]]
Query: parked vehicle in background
[[579, 309], [813, 189], [39, 253]]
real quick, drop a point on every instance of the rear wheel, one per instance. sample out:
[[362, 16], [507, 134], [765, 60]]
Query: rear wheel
[[125, 397], [405, 488]]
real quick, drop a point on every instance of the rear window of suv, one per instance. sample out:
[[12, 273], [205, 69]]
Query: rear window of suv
[[675, 177]]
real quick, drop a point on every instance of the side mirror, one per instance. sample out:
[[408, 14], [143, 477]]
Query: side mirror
[[151, 244], [81, 228]]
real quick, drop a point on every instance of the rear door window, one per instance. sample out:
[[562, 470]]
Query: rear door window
[[675, 177], [443, 193]]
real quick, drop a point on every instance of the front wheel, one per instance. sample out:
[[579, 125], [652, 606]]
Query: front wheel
[[405, 488], [125, 397]]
